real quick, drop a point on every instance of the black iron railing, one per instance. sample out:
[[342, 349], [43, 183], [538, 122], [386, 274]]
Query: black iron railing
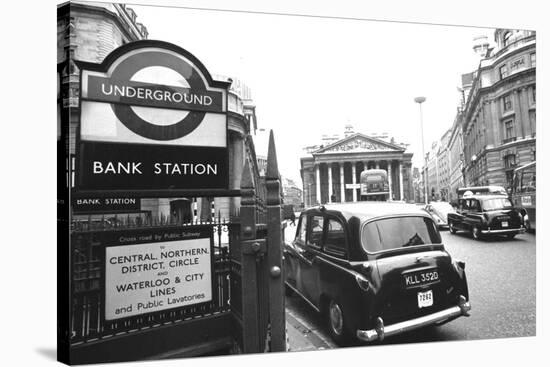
[[88, 266]]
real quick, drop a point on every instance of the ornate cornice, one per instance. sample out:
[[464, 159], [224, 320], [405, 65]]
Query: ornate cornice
[[358, 143]]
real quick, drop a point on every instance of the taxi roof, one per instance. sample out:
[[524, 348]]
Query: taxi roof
[[485, 196], [370, 209]]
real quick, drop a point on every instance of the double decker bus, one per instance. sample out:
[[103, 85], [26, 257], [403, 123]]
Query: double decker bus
[[523, 193], [374, 185]]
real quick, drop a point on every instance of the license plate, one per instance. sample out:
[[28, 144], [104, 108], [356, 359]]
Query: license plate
[[504, 224], [425, 299], [421, 278]]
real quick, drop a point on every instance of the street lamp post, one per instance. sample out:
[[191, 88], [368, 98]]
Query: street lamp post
[[421, 100]]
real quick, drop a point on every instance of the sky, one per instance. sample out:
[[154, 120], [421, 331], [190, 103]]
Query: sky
[[312, 76]]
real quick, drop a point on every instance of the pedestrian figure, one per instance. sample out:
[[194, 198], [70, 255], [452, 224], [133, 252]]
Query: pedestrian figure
[[293, 219]]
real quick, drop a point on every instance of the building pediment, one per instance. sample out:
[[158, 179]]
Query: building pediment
[[359, 143]]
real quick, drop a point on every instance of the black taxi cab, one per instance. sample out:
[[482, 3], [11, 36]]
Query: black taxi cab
[[486, 215], [375, 269]]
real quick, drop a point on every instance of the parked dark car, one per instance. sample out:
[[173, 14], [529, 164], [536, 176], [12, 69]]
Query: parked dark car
[[374, 269], [439, 210], [486, 215]]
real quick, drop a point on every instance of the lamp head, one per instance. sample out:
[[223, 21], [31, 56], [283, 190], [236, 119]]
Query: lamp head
[[420, 99]]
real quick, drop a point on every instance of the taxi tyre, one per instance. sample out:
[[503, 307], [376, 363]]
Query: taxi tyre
[[337, 323], [476, 233]]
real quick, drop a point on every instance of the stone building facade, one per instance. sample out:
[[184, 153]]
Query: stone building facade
[[456, 159], [418, 185], [443, 167], [330, 173], [499, 116], [292, 194], [432, 175]]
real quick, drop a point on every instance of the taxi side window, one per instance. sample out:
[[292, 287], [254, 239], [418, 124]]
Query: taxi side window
[[315, 236], [335, 242], [474, 206], [302, 229]]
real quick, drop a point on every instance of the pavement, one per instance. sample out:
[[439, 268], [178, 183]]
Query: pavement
[[301, 338]]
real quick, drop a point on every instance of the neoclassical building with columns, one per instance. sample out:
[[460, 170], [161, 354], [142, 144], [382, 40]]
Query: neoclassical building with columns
[[331, 172]]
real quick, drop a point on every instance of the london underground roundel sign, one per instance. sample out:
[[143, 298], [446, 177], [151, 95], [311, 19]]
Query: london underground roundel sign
[[122, 88], [146, 104], [155, 77]]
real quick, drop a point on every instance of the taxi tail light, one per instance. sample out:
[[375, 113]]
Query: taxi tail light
[[362, 282], [459, 265]]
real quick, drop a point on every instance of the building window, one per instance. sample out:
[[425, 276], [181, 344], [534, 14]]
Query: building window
[[534, 94], [509, 129], [533, 57], [506, 38], [507, 102], [503, 71], [509, 178], [509, 161]]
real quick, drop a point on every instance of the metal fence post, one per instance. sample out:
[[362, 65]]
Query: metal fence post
[[274, 250], [250, 314]]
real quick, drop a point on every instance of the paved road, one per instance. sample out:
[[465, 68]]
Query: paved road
[[501, 279]]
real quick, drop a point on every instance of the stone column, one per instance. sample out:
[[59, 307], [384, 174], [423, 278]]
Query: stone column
[[377, 164], [524, 101], [519, 118], [354, 180], [329, 165], [390, 181], [365, 165], [400, 181], [318, 184], [342, 184], [239, 156]]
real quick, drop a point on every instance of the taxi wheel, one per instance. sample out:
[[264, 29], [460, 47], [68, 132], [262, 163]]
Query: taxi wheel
[[452, 228], [336, 323], [476, 233]]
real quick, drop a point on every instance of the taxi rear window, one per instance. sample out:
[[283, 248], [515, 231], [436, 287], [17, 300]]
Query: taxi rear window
[[391, 233]]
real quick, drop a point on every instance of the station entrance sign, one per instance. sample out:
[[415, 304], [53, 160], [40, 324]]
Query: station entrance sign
[[151, 118], [151, 270]]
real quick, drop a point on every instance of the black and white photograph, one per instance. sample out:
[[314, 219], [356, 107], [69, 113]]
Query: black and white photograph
[[270, 181]]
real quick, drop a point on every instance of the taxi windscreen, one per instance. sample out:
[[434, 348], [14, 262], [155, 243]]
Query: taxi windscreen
[[391, 233]]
